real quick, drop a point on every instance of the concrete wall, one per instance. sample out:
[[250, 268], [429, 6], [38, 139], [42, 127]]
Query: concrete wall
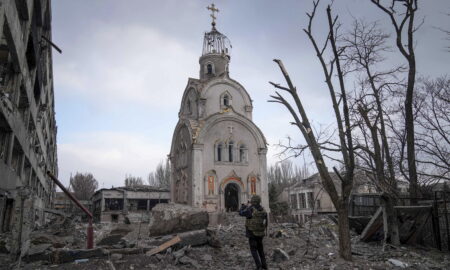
[[27, 117]]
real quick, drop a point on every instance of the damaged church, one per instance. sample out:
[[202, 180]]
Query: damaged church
[[218, 154]]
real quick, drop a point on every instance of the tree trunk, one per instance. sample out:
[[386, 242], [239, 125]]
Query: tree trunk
[[390, 220], [345, 248]]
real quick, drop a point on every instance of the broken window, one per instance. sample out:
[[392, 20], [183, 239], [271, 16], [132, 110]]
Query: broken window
[[302, 200], [31, 53], [33, 180], [113, 204], [37, 91], [294, 201], [5, 137], [17, 158], [7, 214], [7, 72], [114, 218], [23, 105], [26, 171], [141, 204], [154, 202], [132, 205], [310, 196]]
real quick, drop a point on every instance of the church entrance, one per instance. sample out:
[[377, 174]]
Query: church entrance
[[232, 197]]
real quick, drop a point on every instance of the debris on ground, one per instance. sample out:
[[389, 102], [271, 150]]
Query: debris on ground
[[314, 245]]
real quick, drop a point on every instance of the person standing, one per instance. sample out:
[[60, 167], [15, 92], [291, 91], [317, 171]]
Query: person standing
[[255, 229]]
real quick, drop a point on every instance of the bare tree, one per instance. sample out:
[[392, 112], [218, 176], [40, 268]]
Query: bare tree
[[402, 15], [285, 173], [365, 46], [433, 132], [341, 112], [161, 176], [131, 181], [83, 185]]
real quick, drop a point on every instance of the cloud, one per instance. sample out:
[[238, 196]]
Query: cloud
[[109, 156], [131, 64]]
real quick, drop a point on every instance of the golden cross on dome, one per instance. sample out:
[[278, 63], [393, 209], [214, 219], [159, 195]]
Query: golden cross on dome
[[213, 9]]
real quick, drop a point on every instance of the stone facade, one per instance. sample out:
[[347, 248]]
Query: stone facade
[[218, 155], [27, 117]]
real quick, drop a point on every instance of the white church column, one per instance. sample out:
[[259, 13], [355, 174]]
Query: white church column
[[263, 178], [197, 175]]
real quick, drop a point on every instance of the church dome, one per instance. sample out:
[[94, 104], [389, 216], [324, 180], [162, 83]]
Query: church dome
[[215, 42]]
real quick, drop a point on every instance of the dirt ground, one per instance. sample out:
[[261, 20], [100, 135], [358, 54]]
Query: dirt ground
[[312, 246]]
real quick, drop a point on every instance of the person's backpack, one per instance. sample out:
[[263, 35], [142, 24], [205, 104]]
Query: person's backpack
[[257, 224]]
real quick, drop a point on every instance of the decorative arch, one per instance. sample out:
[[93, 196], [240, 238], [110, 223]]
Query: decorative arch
[[189, 102], [226, 99], [181, 125], [217, 118], [210, 69], [231, 178], [230, 83]]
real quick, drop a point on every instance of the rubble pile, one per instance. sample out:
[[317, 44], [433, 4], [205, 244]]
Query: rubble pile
[[288, 246], [169, 218]]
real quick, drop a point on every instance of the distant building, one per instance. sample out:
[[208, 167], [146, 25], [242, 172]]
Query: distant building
[[27, 117], [308, 196], [65, 204], [135, 202]]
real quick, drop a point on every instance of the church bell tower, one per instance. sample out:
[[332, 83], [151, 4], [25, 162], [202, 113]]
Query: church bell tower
[[216, 51]]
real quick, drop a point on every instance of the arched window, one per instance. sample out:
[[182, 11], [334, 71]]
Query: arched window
[[209, 69], [226, 100], [219, 151], [230, 151], [242, 153]]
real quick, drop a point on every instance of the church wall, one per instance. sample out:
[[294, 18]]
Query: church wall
[[214, 93], [223, 169], [182, 167]]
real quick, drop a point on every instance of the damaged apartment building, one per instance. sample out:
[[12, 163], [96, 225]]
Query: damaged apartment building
[[27, 117], [127, 204]]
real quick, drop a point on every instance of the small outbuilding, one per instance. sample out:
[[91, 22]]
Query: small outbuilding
[[123, 204]]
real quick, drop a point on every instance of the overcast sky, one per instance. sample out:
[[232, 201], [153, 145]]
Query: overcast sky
[[125, 64]]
